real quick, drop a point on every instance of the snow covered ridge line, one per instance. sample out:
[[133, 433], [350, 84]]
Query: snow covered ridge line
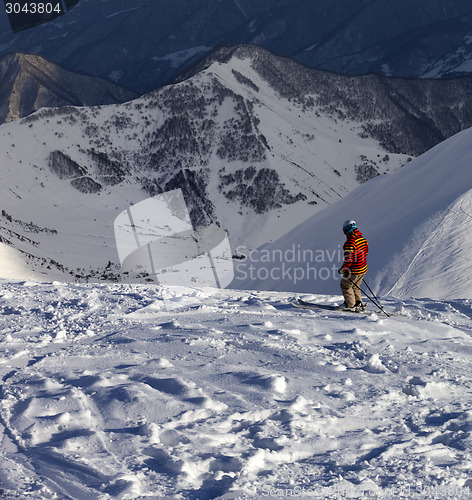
[[51, 86], [434, 43], [106, 394]]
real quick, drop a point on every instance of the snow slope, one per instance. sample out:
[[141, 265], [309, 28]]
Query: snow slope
[[106, 394], [417, 221]]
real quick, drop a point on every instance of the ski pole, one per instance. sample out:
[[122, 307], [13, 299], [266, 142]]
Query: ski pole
[[375, 297], [377, 304], [370, 290]]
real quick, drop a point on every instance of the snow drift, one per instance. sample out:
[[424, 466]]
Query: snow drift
[[417, 221]]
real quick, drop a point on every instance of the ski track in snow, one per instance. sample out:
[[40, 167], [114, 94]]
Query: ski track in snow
[[104, 393]]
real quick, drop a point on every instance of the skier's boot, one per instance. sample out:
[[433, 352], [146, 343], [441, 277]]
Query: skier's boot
[[345, 307], [360, 307]]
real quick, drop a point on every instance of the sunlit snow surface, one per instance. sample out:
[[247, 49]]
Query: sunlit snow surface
[[106, 394]]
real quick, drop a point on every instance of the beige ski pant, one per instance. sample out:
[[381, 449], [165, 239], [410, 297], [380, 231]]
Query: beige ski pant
[[351, 292]]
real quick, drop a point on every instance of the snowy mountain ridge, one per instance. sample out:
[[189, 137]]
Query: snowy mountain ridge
[[402, 38], [242, 155], [30, 82], [257, 144]]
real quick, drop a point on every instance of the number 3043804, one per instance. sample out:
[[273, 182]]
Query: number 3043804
[[33, 8]]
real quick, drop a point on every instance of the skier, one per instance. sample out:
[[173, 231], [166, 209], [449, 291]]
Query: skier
[[354, 266]]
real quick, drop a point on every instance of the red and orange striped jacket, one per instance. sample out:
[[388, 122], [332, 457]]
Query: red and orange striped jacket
[[356, 249]]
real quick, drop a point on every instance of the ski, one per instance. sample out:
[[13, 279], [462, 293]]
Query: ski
[[310, 305]]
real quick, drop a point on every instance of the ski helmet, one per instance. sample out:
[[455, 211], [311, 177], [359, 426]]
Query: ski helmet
[[349, 225]]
